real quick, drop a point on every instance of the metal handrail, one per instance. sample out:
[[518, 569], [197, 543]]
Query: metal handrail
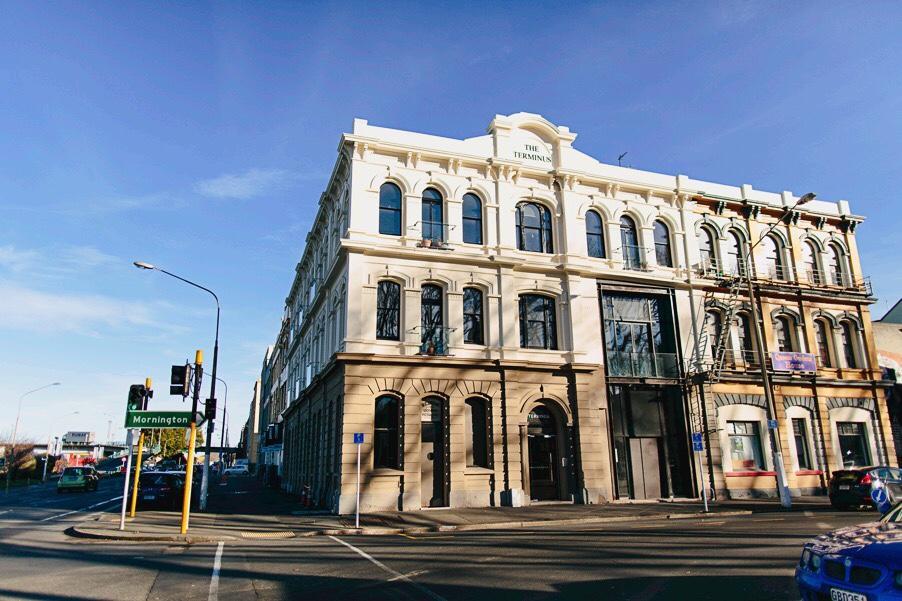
[[632, 256]]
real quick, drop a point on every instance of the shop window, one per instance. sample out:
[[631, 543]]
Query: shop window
[[745, 446], [534, 228], [473, 321], [388, 311], [386, 439], [390, 209], [472, 219], [477, 421], [853, 444], [595, 235], [800, 435], [538, 328]]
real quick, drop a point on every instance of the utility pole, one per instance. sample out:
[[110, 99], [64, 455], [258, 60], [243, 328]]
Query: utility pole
[[148, 385], [192, 440]]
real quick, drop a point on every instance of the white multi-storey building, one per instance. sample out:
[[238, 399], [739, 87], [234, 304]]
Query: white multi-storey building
[[504, 318]]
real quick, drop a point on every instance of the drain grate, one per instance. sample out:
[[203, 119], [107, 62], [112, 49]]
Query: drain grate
[[273, 535]]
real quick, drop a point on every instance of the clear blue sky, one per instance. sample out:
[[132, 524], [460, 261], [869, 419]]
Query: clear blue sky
[[199, 137]]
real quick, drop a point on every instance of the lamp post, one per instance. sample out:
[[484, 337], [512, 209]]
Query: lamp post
[[779, 468], [204, 486], [12, 448]]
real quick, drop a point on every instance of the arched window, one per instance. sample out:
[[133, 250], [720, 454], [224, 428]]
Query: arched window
[[809, 261], [735, 260], [849, 335], [629, 241], [714, 330], [478, 432], [821, 329], [744, 339], [433, 215], [538, 327], [663, 255], [472, 219], [432, 321], [707, 249], [785, 334], [594, 235], [386, 438], [474, 328], [534, 228], [388, 311], [838, 275], [772, 250], [390, 209]]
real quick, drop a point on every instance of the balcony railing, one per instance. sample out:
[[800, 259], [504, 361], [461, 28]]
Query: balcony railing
[[632, 257], [433, 340], [434, 234], [642, 365]]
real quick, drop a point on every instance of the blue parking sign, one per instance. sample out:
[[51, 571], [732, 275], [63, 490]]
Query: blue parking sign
[[698, 447], [697, 437], [358, 437], [772, 424]]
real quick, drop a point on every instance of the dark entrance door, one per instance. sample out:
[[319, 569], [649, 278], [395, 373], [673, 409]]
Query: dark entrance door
[[432, 462], [542, 435]]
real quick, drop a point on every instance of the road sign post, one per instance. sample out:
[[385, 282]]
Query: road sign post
[[698, 446], [192, 441], [147, 385], [358, 440], [128, 470]]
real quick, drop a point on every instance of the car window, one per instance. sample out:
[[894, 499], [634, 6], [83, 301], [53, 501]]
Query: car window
[[73, 471], [895, 473]]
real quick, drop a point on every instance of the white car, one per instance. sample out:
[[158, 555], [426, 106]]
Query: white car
[[239, 469]]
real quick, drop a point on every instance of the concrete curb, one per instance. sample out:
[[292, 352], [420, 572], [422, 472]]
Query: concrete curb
[[90, 533]]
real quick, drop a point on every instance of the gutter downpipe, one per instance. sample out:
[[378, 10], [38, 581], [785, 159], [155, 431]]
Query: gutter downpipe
[[684, 199]]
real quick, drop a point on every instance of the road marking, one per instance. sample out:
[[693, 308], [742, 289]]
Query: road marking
[[824, 525], [385, 568], [408, 575], [214, 579], [83, 509]]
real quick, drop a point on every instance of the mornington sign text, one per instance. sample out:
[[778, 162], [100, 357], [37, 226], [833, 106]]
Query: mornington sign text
[[161, 419]]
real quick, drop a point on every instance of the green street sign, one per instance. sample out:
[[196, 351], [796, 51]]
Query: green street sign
[[161, 419]]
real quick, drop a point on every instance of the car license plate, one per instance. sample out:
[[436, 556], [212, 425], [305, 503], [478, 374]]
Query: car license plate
[[845, 486], [841, 595], [149, 497]]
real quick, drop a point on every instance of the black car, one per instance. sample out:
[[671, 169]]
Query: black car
[[161, 489], [851, 488]]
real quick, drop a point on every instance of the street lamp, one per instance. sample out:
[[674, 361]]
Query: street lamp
[[12, 448], [204, 486], [779, 468]]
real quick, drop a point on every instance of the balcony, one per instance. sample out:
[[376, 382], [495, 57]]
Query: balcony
[[434, 340], [623, 364], [434, 234], [632, 257]]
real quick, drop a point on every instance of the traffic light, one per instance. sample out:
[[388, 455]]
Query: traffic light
[[136, 397], [180, 381], [210, 409]]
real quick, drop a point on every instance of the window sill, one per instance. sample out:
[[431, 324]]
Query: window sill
[[386, 471], [476, 470], [749, 474]]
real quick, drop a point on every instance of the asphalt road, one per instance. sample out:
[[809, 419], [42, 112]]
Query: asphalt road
[[743, 557]]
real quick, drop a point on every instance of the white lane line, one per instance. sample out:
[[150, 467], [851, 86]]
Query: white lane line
[[5, 511], [83, 509], [385, 568], [824, 526], [214, 579]]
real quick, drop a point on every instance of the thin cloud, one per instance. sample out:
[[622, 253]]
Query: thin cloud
[[31, 310], [53, 262], [16, 260], [249, 184]]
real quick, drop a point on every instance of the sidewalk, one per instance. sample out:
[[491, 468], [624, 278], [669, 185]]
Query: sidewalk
[[254, 513]]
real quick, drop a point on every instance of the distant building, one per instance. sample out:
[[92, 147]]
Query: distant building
[[888, 338], [251, 431], [83, 438]]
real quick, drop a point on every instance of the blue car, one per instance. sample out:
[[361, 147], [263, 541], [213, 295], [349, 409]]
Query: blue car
[[859, 563]]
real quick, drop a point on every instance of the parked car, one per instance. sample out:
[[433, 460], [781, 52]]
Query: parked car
[[239, 469], [77, 478], [859, 563], [163, 489], [851, 488]]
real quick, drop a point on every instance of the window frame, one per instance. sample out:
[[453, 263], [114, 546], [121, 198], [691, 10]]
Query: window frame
[[478, 455], [803, 454], [790, 327], [399, 209], [549, 323], [435, 201], [544, 229], [478, 317], [822, 329], [848, 334], [663, 248], [708, 256], [755, 436], [381, 310], [394, 432], [475, 222], [630, 251], [598, 236]]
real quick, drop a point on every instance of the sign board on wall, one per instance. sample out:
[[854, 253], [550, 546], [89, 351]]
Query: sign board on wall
[[783, 361]]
